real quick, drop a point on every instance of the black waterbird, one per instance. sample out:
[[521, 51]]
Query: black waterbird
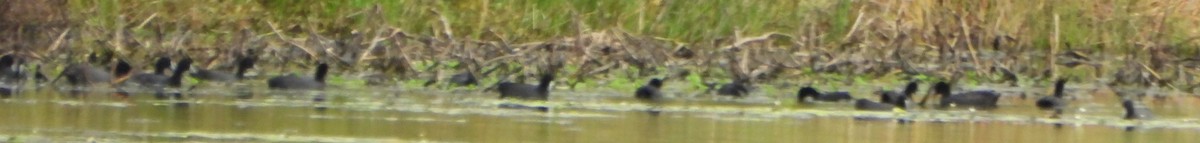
[[86, 75], [293, 81], [1134, 110], [158, 78], [866, 104], [897, 98], [526, 91], [810, 92], [650, 91], [985, 99], [239, 72], [9, 69], [1055, 101], [737, 88]]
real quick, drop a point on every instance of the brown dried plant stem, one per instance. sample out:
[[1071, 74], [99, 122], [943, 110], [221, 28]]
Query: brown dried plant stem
[[1053, 49]]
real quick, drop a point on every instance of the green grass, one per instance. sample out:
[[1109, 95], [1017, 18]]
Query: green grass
[[1112, 22], [1115, 23], [517, 19]]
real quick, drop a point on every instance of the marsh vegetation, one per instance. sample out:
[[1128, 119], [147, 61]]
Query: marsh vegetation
[[417, 66]]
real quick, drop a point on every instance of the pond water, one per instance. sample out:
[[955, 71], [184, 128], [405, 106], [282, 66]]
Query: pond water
[[228, 114]]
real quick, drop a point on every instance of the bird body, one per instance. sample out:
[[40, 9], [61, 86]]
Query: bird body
[[812, 93], [295, 82], [650, 91], [527, 91]]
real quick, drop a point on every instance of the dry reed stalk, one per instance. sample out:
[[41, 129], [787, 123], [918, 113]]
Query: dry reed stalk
[[854, 27], [285, 39], [1155, 74], [147, 21], [57, 43], [445, 24], [970, 43], [375, 40], [1053, 49]]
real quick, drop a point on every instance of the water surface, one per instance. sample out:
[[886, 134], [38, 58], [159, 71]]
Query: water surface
[[224, 113]]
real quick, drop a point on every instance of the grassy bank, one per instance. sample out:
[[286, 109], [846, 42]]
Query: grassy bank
[[928, 38], [1112, 22]]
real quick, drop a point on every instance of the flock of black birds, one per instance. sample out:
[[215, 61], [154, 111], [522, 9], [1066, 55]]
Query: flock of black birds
[[123, 74], [898, 100]]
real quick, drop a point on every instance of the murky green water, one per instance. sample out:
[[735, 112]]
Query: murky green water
[[374, 115]]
